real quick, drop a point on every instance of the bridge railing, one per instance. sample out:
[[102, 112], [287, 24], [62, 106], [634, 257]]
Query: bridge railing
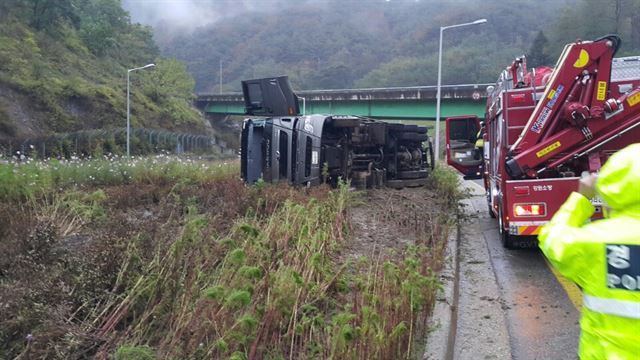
[[388, 93]]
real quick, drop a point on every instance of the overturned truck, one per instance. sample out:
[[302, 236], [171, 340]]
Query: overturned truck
[[279, 144]]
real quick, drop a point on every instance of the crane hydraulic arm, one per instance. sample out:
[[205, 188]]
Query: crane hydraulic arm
[[575, 114]]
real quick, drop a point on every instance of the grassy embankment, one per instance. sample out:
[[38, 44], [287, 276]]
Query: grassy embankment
[[63, 68], [159, 258]]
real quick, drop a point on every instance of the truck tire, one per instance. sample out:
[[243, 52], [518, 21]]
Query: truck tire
[[491, 213], [410, 128], [412, 136], [395, 126], [412, 174], [430, 157], [399, 184], [505, 237]]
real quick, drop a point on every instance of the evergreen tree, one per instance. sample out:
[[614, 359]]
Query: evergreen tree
[[539, 52]]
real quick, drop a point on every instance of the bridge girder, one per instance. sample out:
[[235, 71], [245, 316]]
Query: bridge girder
[[391, 103]]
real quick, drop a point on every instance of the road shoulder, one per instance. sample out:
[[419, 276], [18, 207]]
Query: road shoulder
[[482, 331], [468, 320], [439, 343]]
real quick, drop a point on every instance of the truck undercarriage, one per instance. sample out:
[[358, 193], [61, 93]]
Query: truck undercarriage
[[313, 149]]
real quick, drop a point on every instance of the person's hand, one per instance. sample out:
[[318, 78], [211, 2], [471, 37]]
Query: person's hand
[[587, 184]]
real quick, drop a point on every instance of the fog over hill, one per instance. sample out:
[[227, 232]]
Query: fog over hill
[[366, 43]]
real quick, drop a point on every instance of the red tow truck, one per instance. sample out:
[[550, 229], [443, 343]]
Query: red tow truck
[[547, 127]]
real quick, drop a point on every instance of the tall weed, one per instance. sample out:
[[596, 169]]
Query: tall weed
[[142, 258]]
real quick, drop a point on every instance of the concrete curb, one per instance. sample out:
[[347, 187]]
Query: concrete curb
[[442, 323]]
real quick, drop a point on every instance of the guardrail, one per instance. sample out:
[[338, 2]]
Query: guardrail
[[104, 141]]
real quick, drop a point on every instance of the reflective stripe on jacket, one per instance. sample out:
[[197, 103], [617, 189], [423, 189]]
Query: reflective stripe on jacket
[[603, 258]]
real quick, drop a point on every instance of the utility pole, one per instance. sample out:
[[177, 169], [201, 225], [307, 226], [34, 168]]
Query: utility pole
[[220, 76]]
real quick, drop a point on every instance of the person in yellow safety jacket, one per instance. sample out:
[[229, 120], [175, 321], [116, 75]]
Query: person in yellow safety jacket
[[603, 257], [480, 142]]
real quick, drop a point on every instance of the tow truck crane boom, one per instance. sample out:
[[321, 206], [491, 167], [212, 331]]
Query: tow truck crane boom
[[545, 127], [574, 115]]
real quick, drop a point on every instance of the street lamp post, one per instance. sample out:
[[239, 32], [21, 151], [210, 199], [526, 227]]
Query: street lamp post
[[304, 105], [442, 29], [128, 102]]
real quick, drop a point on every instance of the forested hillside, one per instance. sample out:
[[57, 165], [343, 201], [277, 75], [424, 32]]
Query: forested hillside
[[63, 66], [63, 63], [341, 44]]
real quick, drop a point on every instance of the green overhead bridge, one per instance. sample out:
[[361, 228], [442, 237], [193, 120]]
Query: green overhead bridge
[[418, 102]]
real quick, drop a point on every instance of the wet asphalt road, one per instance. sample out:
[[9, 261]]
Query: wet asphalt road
[[542, 322]]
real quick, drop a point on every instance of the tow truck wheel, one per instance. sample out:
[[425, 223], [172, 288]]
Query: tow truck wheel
[[507, 241], [491, 213]]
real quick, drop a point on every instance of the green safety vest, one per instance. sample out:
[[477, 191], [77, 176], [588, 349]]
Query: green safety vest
[[603, 258]]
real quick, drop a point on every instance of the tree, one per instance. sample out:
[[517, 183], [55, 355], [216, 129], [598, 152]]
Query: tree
[[169, 79], [102, 21], [621, 17], [47, 14], [539, 52]]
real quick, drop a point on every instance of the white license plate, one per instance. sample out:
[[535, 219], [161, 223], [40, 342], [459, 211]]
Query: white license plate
[[459, 155]]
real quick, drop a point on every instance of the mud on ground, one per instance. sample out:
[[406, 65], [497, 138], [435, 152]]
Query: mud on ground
[[384, 222]]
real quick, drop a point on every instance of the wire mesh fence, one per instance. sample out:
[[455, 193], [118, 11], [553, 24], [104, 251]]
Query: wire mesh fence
[[100, 142], [625, 68]]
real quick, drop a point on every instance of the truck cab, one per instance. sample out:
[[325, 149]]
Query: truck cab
[[278, 148], [283, 149]]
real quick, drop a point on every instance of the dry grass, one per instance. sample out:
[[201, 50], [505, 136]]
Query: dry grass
[[205, 267]]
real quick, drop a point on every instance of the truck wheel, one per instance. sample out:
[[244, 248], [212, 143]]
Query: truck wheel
[[491, 213], [401, 183], [507, 240], [412, 136], [412, 174], [430, 157], [409, 128]]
